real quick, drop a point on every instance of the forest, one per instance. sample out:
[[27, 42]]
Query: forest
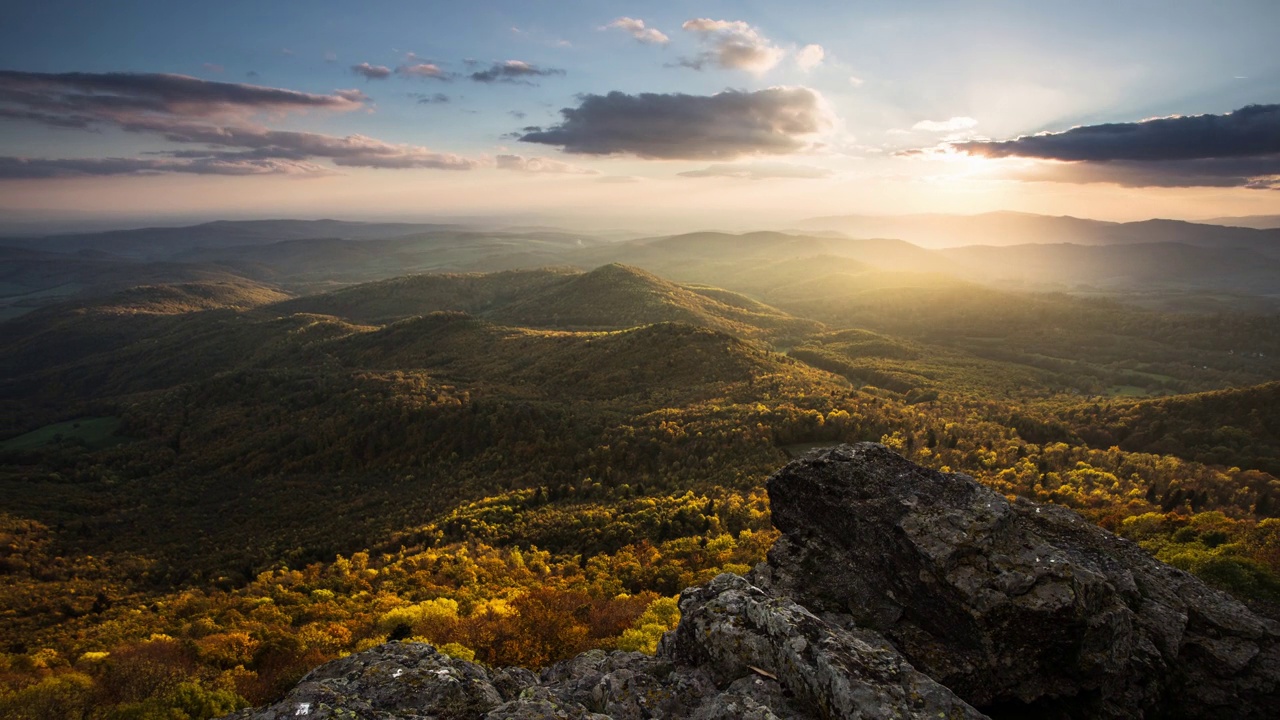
[[214, 486]]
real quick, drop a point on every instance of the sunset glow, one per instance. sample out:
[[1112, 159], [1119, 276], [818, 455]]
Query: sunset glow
[[421, 111]]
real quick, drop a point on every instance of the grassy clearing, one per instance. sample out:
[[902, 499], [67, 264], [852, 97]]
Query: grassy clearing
[[94, 432]]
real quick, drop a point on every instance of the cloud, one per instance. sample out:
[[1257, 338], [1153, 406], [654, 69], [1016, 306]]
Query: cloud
[[856, 81], [372, 72], [110, 96], [733, 45], [430, 99], [347, 151], [758, 171], [12, 168], [1250, 131], [636, 29], [429, 71], [954, 124], [1262, 173], [810, 57], [213, 67], [723, 126], [218, 117], [1236, 149], [354, 95], [513, 71], [520, 163], [330, 56]]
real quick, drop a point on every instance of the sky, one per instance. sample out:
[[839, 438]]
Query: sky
[[679, 114]]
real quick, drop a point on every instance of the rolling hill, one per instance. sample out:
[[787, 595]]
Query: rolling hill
[[398, 298], [618, 296], [1239, 426]]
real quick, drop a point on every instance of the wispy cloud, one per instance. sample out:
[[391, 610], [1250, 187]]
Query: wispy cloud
[[810, 57], [112, 97], [759, 171], [371, 72], [954, 124], [723, 126], [513, 71], [12, 168], [222, 119], [523, 164], [638, 30], [430, 98], [424, 70], [733, 45]]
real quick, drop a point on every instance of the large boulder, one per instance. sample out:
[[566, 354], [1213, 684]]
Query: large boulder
[[1021, 609]]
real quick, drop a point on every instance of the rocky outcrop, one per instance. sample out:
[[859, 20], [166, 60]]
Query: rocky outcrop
[[894, 592], [738, 653], [1021, 609]]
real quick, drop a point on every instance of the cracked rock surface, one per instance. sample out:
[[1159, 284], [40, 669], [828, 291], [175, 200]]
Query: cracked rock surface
[[1016, 607]]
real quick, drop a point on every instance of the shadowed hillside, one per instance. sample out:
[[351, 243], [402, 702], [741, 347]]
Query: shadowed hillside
[[617, 296], [1238, 427], [397, 298]]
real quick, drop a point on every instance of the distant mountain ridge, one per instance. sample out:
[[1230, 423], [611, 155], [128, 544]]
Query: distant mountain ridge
[[1209, 266], [162, 242], [1011, 228], [1260, 222]]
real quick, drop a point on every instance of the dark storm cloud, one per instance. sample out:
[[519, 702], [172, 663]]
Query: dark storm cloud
[[672, 126], [371, 72], [1237, 149], [513, 71]]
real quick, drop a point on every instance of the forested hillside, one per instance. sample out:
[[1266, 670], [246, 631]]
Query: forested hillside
[[212, 487]]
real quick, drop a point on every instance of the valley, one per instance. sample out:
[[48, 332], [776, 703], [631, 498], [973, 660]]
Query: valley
[[225, 463]]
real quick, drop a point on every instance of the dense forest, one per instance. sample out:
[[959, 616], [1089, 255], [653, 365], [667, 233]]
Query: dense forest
[[213, 486]]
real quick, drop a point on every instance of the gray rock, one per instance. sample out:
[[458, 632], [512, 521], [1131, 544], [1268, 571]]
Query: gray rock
[[409, 681], [737, 653], [1017, 607], [734, 630]]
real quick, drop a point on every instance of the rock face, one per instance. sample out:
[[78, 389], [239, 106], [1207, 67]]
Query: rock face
[[895, 592], [1020, 609]]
